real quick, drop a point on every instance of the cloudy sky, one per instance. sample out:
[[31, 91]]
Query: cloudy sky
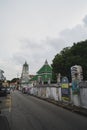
[[36, 30]]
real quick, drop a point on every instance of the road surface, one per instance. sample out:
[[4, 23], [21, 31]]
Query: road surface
[[29, 113]]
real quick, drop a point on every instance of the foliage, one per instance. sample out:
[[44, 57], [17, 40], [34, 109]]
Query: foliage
[[69, 56], [14, 80]]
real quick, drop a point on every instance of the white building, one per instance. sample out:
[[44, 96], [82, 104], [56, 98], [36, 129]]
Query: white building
[[25, 74]]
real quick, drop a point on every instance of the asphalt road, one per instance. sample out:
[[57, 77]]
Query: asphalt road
[[30, 113]]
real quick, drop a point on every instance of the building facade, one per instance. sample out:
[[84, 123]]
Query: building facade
[[44, 75]]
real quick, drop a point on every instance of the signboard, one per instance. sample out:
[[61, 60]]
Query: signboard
[[65, 89]]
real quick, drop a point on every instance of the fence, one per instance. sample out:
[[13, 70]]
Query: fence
[[83, 94], [54, 92]]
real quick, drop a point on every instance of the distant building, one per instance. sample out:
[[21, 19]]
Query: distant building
[[44, 74], [25, 74]]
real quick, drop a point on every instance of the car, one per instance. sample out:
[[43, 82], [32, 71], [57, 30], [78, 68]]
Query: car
[[8, 90], [24, 90], [3, 91]]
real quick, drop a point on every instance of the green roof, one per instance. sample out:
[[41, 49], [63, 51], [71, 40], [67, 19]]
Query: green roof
[[44, 77], [45, 68], [45, 73]]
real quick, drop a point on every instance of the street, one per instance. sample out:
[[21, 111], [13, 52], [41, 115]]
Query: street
[[30, 113]]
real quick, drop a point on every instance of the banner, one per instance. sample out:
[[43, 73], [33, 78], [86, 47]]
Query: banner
[[65, 89]]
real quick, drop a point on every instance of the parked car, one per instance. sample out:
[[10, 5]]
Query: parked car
[[8, 90], [3, 91], [24, 90]]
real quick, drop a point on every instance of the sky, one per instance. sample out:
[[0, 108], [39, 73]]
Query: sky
[[36, 30]]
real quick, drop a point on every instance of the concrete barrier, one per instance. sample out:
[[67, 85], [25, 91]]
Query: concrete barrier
[[54, 92]]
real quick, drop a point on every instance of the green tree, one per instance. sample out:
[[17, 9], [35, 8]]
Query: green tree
[[14, 80], [69, 56]]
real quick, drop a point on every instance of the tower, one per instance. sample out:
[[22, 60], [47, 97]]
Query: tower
[[25, 74]]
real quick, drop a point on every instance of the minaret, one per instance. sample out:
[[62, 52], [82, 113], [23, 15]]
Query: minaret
[[25, 73], [25, 70]]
